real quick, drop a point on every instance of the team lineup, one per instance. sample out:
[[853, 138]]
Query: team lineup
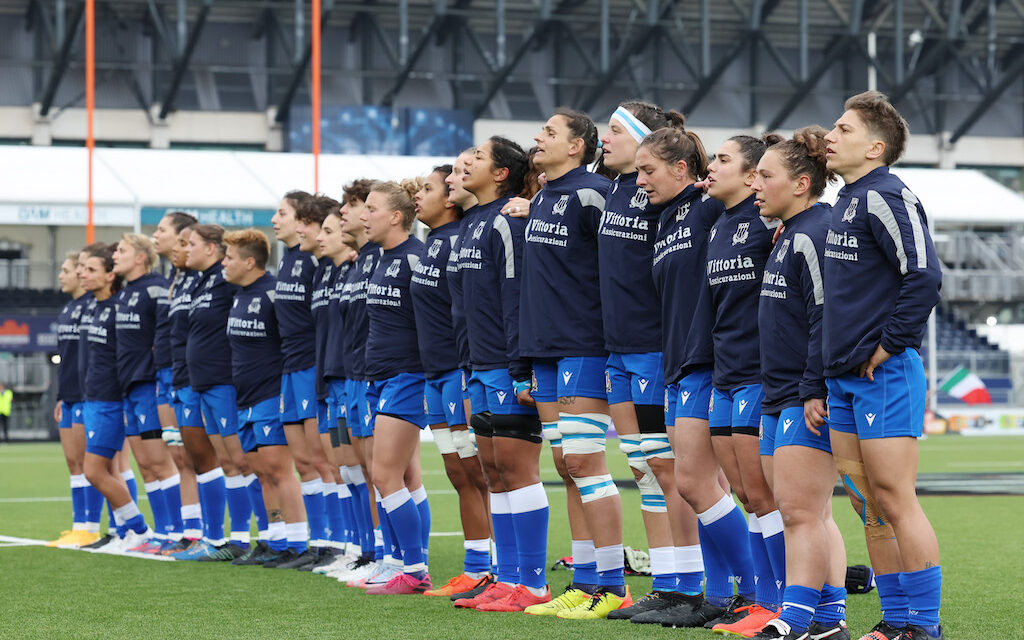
[[748, 343]]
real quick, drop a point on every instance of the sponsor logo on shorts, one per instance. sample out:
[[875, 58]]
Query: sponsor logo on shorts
[[451, 407], [501, 396], [684, 396], [92, 434], [870, 418], [142, 419], [642, 383], [786, 424], [380, 405], [566, 376], [305, 403], [743, 405], [223, 423], [266, 430]]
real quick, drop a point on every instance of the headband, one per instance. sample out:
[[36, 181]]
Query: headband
[[634, 127]]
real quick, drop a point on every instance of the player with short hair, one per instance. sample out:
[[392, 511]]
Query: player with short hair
[[165, 240], [141, 306], [395, 389], [439, 352], [86, 501], [508, 433], [791, 176], [208, 355], [103, 413], [738, 249], [298, 385], [882, 280]]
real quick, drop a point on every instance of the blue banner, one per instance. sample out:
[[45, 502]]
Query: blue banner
[[28, 334], [223, 217], [410, 131]]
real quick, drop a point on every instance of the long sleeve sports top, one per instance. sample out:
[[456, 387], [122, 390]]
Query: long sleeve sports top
[[454, 279], [560, 303], [881, 272], [207, 352], [69, 323], [353, 308], [97, 357], [292, 305], [256, 361], [334, 345], [432, 302], [789, 314], [323, 284], [391, 344], [140, 305]]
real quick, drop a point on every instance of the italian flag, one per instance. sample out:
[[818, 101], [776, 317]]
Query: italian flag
[[964, 385]]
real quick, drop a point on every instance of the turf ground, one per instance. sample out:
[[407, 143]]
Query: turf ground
[[50, 593]]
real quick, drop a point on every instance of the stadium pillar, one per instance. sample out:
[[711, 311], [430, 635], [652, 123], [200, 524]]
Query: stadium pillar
[[315, 42], [90, 109]]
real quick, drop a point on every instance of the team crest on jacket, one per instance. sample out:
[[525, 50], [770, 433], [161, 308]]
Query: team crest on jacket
[[209, 283], [711, 236], [782, 250], [682, 211], [134, 300], [297, 269], [851, 210], [478, 232], [254, 306], [742, 231], [561, 206], [639, 200], [435, 248], [368, 266], [394, 268], [104, 315]]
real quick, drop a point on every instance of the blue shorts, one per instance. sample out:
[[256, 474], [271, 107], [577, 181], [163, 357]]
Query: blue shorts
[[739, 408], [298, 396], [263, 422], [399, 397], [164, 386], [187, 409], [323, 420], [890, 407], [104, 427], [444, 399], [491, 390], [789, 428], [568, 378], [220, 411], [689, 398], [337, 401], [71, 414], [634, 377], [140, 414], [466, 373], [361, 413]]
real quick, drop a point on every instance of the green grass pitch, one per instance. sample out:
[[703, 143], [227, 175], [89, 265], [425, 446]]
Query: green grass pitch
[[50, 593]]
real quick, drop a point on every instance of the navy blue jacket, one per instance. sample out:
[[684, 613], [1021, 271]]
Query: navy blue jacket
[[560, 303], [679, 263], [391, 345], [881, 272], [139, 307], [432, 302], [162, 357], [323, 284], [353, 307], [454, 280], [256, 361], [629, 299], [737, 251], [789, 315], [207, 352], [490, 267], [294, 296], [69, 380], [334, 345], [97, 356], [177, 316]]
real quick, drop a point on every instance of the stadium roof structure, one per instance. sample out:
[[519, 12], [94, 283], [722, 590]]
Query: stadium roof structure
[[53, 179], [951, 66]]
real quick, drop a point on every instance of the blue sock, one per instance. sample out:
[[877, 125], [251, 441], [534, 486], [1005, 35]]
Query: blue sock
[[663, 566], [157, 506], [610, 569], [717, 586], [130, 517], [764, 580], [727, 529], [120, 529], [924, 596], [239, 508], [78, 508], [363, 518], [259, 508], [171, 488], [775, 543], [478, 556], [504, 539], [391, 546], [529, 506], [895, 607], [133, 488], [192, 519], [93, 505], [689, 570], [350, 530], [335, 518], [419, 498], [584, 566], [832, 607], [213, 496], [378, 543], [798, 605], [316, 511], [405, 518]]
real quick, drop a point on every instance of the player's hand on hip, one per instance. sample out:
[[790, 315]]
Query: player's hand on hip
[[815, 413], [867, 369]]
